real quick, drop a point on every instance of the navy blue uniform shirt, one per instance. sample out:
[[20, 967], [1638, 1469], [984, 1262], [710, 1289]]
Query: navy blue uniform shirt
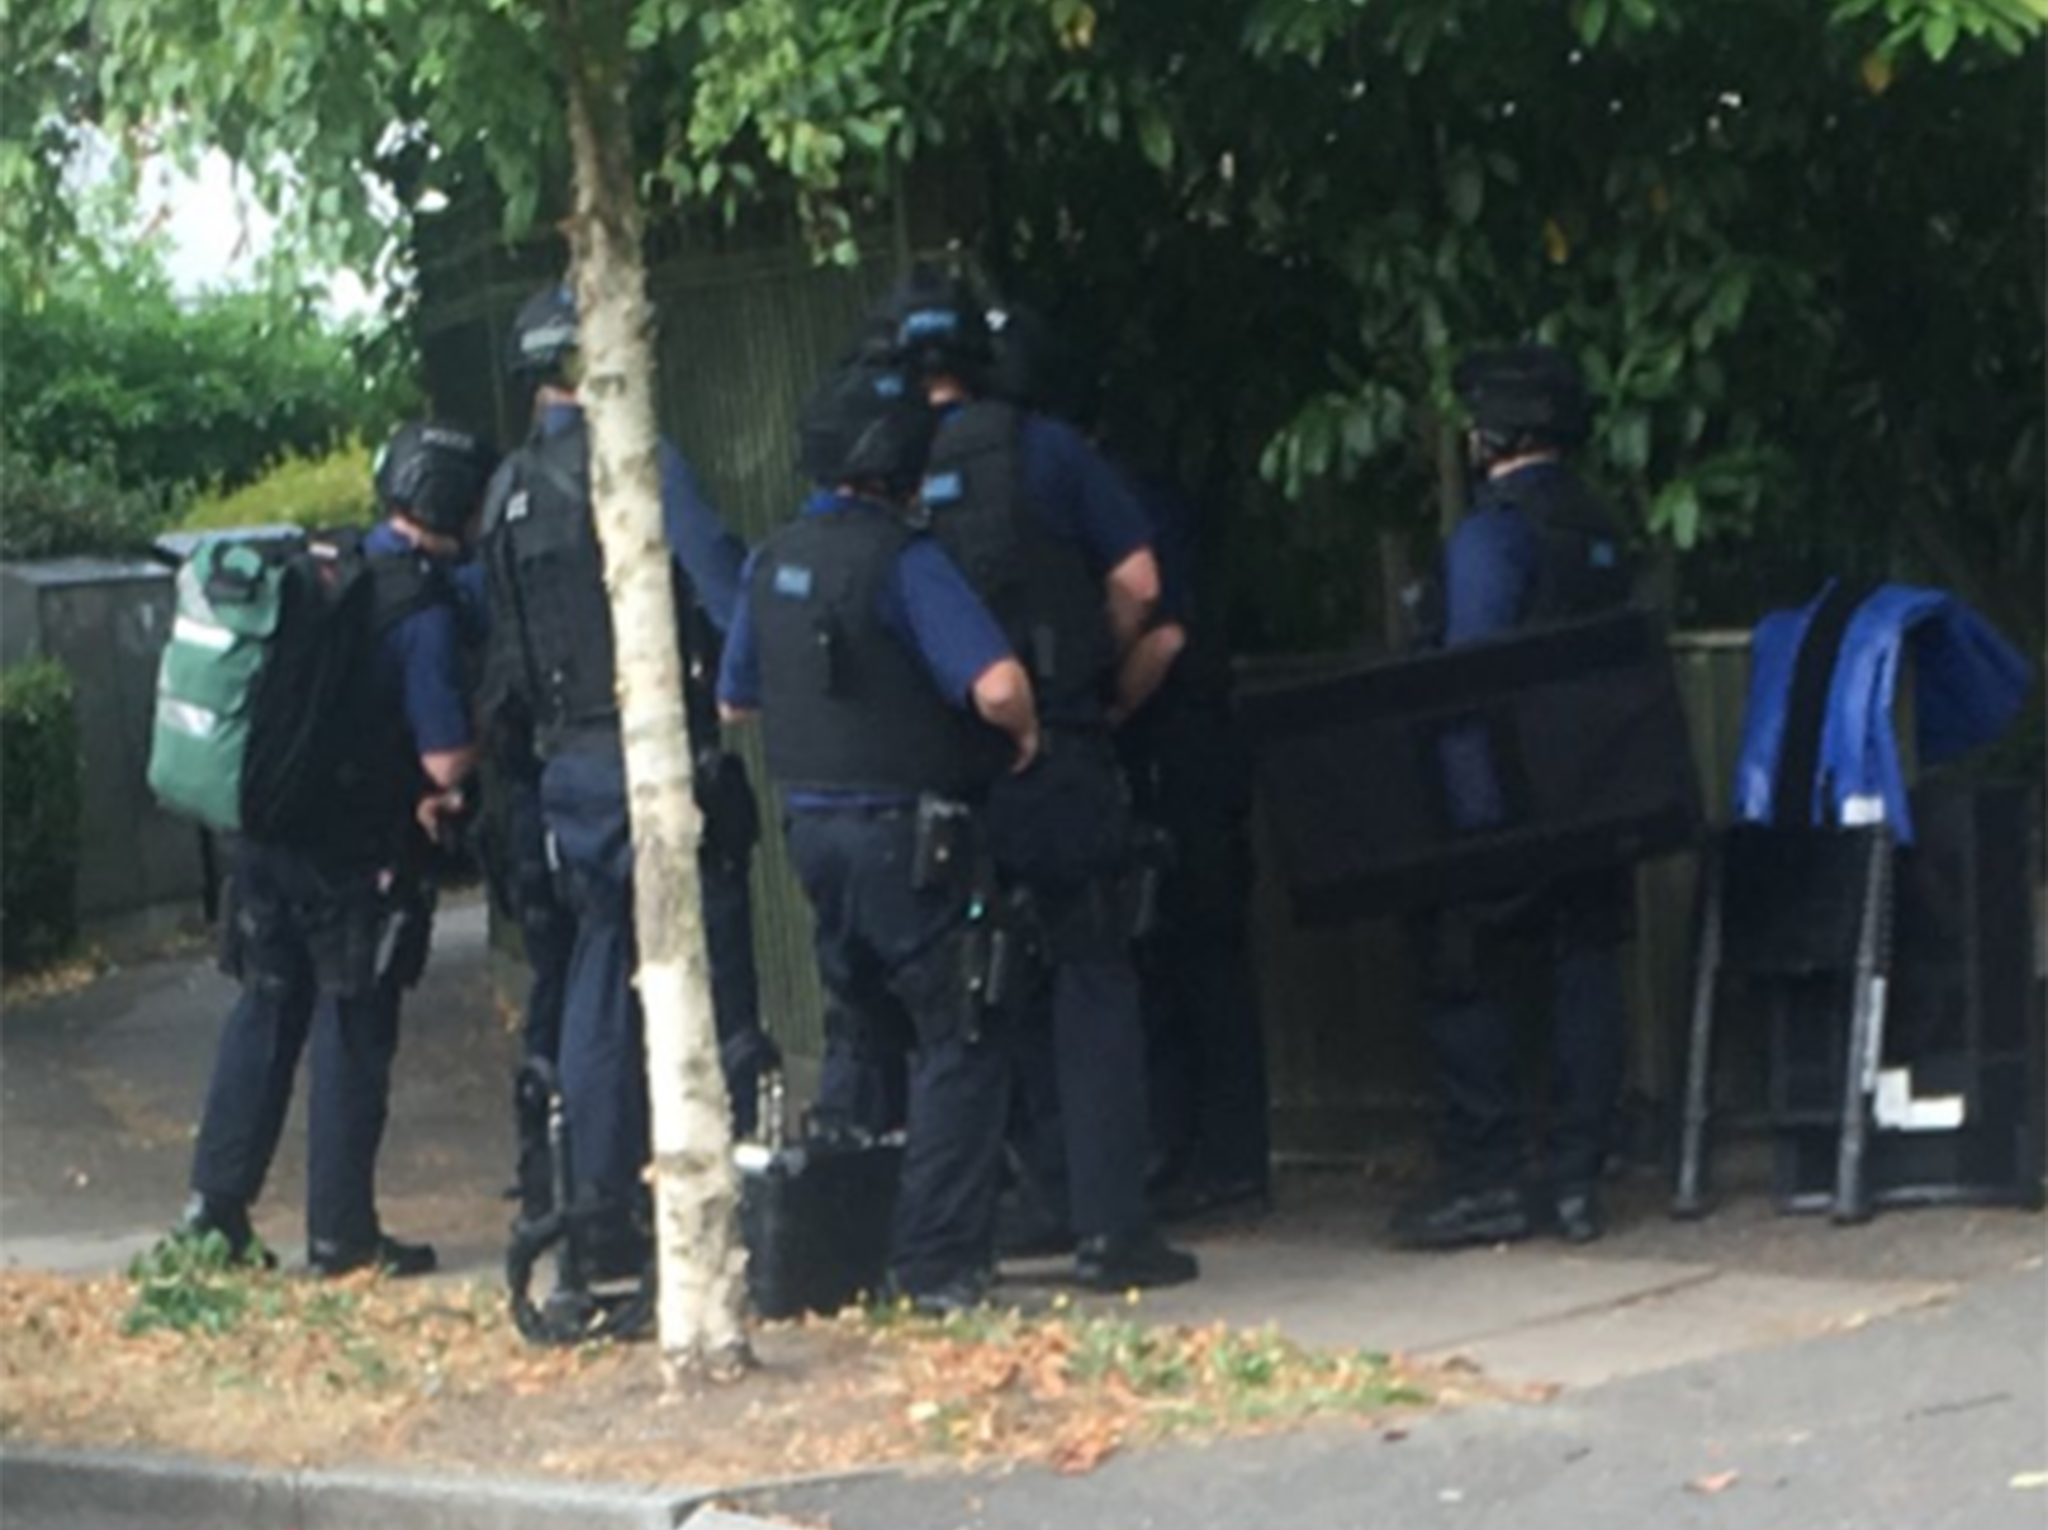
[[1081, 498], [710, 556], [1490, 567], [1170, 517], [928, 606], [425, 654]]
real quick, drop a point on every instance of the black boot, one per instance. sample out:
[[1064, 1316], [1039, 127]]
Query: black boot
[[1577, 1214], [1454, 1218], [963, 1292], [1123, 1261], [209, 1214], [387, 1255]]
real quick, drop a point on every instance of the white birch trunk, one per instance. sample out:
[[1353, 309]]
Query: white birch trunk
[[702, 1262]]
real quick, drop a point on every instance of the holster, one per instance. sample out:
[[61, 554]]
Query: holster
[[1152, 859], [405, 934]]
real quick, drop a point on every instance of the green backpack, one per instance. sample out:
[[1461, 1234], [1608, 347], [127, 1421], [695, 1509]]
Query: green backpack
[[253, 724]]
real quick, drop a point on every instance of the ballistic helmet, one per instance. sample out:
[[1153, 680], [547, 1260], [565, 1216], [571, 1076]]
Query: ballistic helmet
[[866, 423], [1525, 390], [543, 333], [1036, 369], [434, 475], [936, 325]]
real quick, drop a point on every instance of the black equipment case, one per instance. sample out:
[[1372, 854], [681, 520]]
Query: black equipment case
[[1477, 771], [816, 1217]]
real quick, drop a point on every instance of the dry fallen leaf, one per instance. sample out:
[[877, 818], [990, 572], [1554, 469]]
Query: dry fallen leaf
[[1714, 1482]]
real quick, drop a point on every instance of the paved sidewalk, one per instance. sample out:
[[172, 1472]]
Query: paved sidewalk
[[98, 1091]]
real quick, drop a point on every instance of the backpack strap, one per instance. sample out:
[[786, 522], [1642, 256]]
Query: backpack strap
[[402, 585]]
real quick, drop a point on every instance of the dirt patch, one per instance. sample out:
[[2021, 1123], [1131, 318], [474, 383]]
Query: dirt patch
[[284, 1371]]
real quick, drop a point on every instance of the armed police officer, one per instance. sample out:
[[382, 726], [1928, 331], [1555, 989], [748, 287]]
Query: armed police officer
[[1055, 547], [552, 663], [889, 700], [327, 924], [1189, 772], [1535, 546]]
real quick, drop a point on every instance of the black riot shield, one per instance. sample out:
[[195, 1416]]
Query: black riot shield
[[1476, 772]]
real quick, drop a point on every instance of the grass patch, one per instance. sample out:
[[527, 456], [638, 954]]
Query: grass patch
[[1093, 1381], [191, 1285]]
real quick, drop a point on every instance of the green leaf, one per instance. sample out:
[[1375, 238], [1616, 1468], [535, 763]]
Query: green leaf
[[1155, 137], [1676, 512], [1939, 35]]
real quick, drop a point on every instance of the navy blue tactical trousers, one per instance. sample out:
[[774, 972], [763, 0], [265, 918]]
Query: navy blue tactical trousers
[[311, 947], [1086, 1136], [1206, 1058], [601, 1054], [545, 923], [891, 953], [1060, 830], [603, 1062], [1476, 1041]]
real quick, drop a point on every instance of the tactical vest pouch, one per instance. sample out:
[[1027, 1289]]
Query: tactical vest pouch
[[944, 854], [825, 670], [1480, 772]]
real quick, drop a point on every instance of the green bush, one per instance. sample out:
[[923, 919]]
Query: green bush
[[333, 490], [106, 362], [40, 774], [70, 509]]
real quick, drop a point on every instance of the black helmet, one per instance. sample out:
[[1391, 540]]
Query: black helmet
[[1525, 390], [434, 475], [938, 325], [1037, 369], [866, 423], [543, 333]]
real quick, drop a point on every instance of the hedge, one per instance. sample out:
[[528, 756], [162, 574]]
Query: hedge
[[73, 509], [333, 490], [40, 804]]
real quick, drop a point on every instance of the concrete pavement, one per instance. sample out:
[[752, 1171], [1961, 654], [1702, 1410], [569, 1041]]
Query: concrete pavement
[[1833, 1368], [1935, 1421]]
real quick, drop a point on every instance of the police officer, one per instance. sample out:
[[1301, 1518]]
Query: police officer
[[552, 661], [1049, 538], [1189, 772], [889, 699], [326, 931], [1535, 546]]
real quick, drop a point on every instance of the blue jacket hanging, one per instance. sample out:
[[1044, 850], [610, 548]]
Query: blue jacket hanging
[[1969, 685]]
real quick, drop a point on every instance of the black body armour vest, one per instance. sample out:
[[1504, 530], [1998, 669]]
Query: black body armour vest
[[1038, 587], [845, 706], [1584, 568], [552, 627]]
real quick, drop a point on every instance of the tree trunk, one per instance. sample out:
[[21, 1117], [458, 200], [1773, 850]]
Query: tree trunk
[[702, 1263]]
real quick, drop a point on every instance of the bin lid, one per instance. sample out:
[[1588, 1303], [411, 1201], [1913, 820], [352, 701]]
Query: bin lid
[[174, 547], [58, 573]]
